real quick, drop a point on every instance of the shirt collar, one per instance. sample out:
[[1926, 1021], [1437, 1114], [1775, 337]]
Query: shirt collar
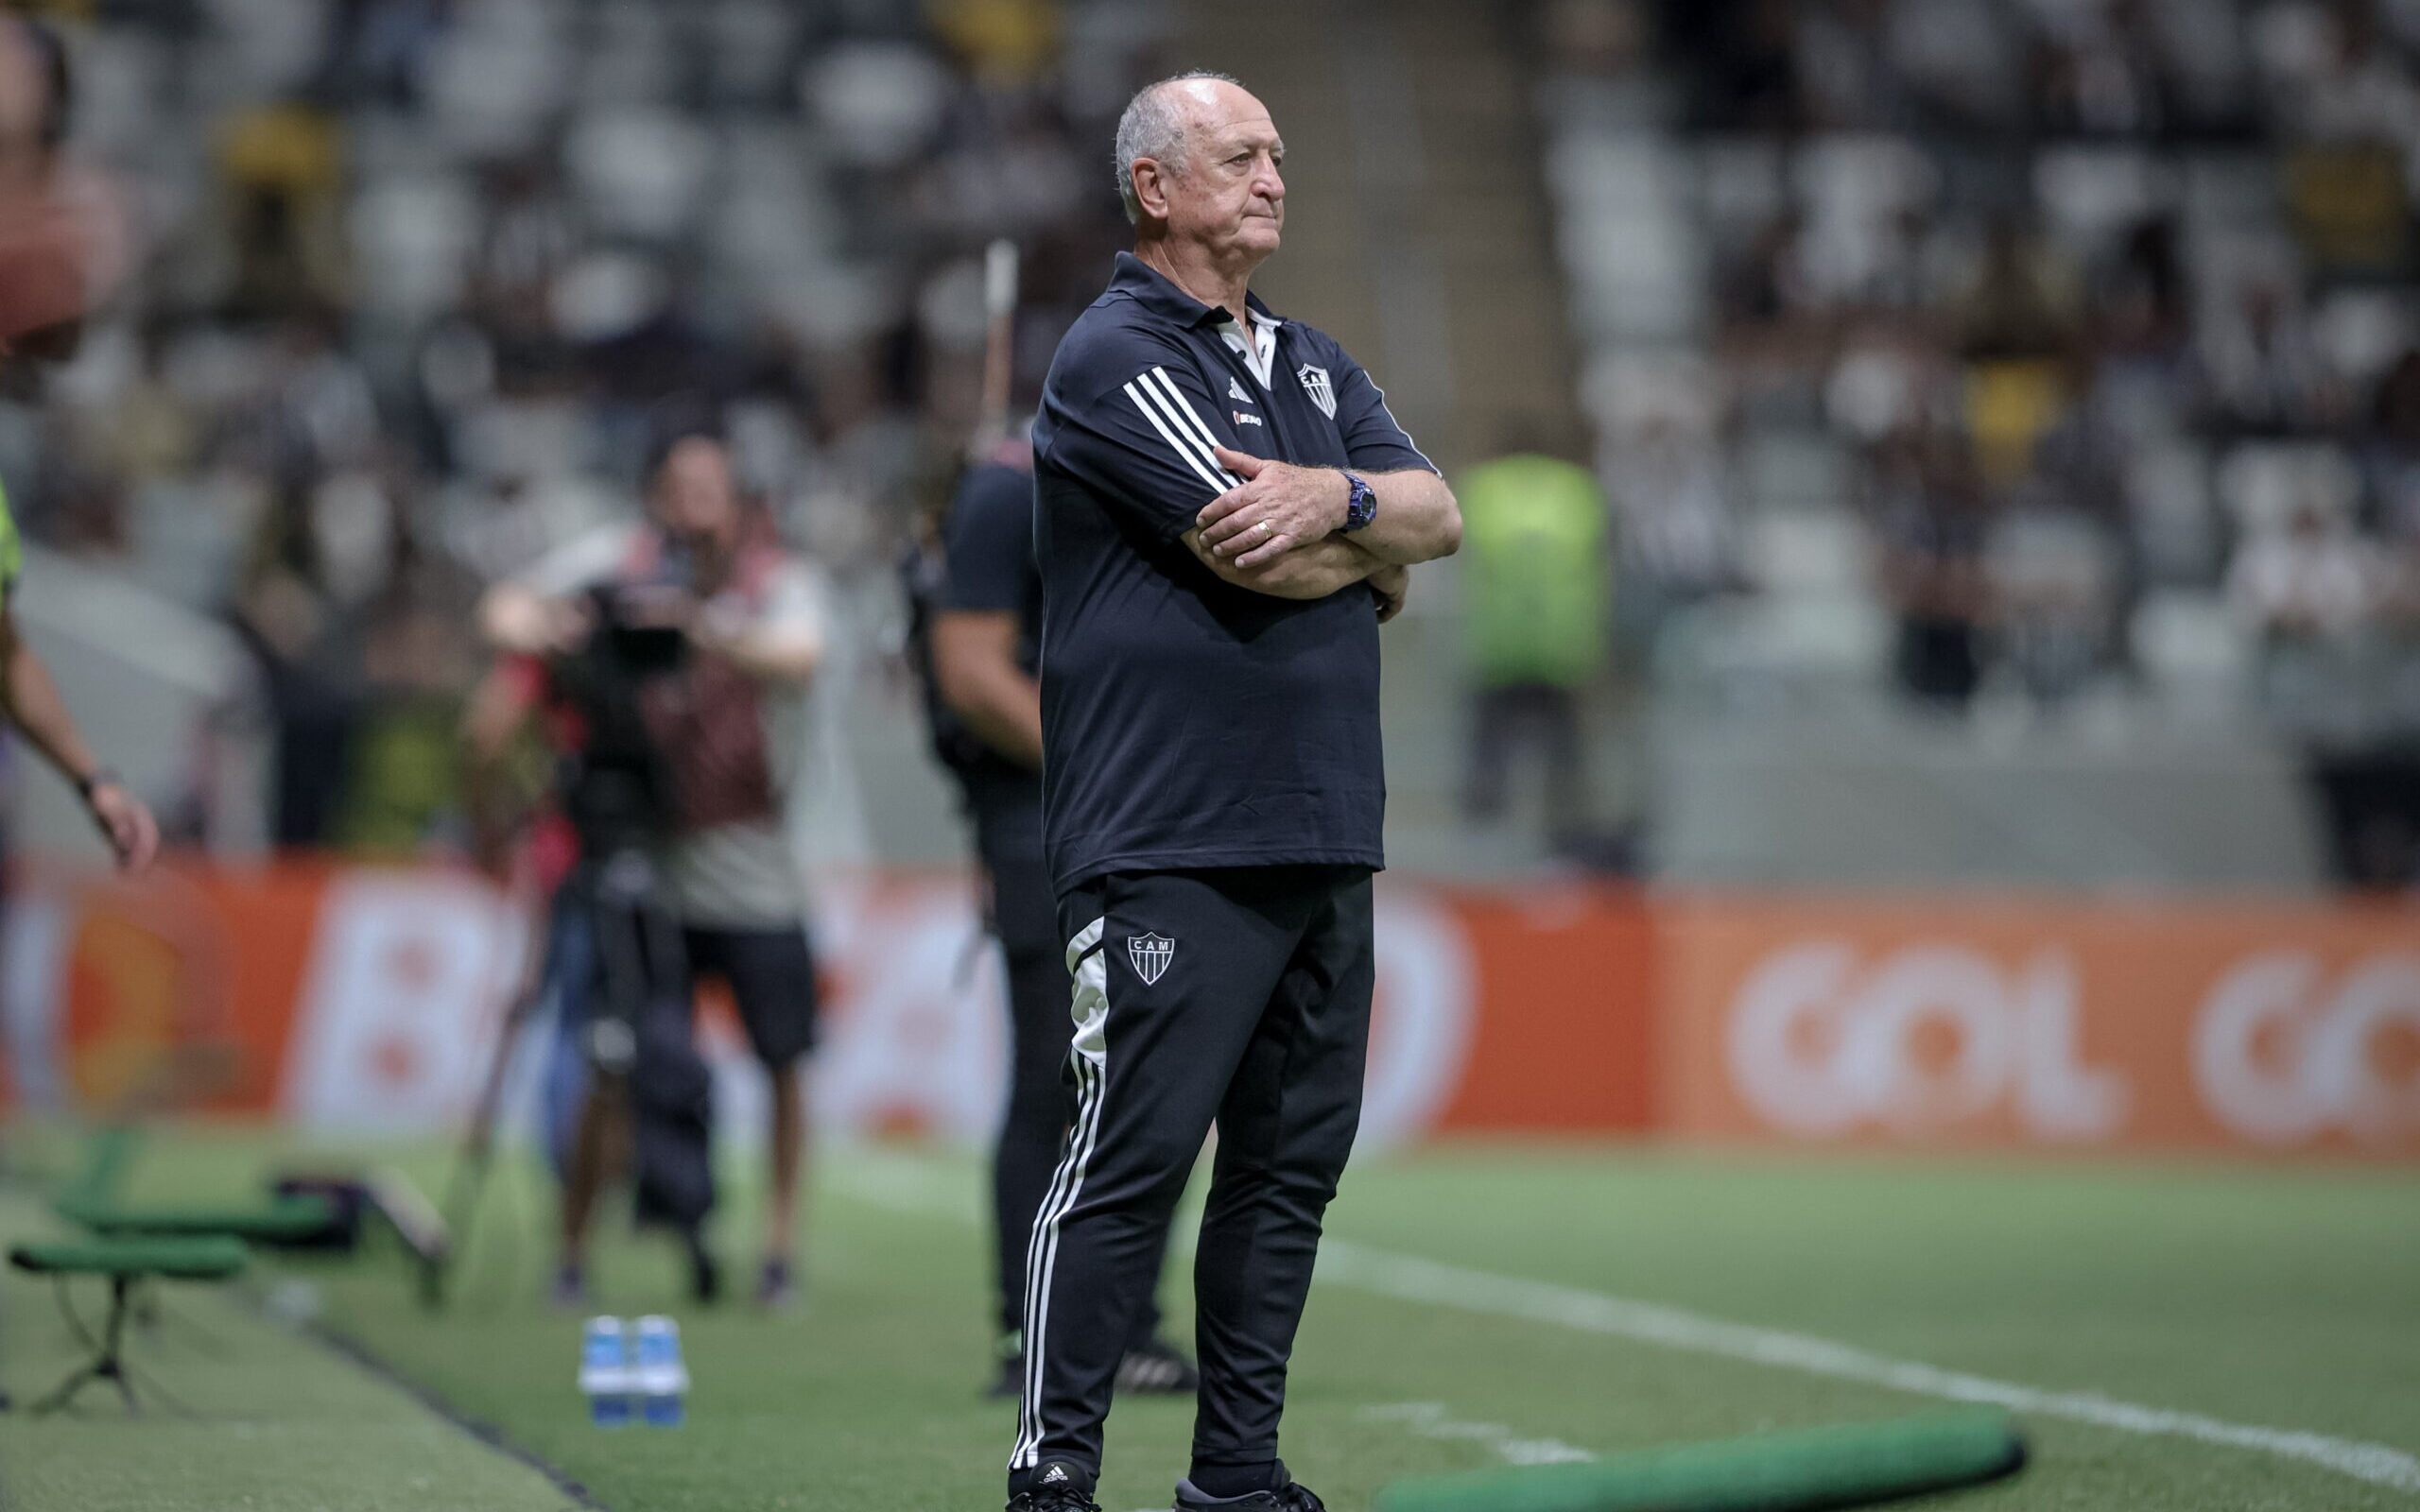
[[1153, 291]]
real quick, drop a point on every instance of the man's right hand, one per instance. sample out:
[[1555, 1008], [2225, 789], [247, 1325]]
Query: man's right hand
[[515, 619], [1277, 508]]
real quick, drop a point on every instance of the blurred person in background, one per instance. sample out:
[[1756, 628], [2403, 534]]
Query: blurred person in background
[[2313, 585], [1678, 544], [2265, 374], [312, 709], [2021, 298], [403, 797], [1534, 629], [1935, 522], [976, 595], [722, 716], [2315, 594], [50, 273], [2391, 462]]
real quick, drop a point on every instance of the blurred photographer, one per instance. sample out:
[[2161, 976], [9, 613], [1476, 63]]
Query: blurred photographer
[[677, 655]]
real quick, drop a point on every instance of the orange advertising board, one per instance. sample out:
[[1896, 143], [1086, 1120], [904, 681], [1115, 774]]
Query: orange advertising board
[[367, 998], [2042, 1026], [180, 989], [1563, 1029]]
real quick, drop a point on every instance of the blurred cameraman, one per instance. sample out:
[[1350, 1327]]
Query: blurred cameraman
[[677, 653]]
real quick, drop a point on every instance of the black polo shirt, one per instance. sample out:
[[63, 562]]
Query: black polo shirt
[[1187, 722], [987, 549]]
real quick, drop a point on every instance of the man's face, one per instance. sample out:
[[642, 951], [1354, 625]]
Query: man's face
[[696, 499], [1227, 194]]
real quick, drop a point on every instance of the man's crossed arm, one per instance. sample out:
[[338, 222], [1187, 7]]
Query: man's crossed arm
[[1280, 508], [1280, 532], [1314, 571]]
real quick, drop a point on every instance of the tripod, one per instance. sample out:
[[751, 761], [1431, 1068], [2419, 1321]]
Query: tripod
[[651, 1095]]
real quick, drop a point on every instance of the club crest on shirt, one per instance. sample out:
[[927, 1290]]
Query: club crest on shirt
[[1150, 954], [1314, 381]]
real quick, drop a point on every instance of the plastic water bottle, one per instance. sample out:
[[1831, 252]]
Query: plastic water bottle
[[605, 1372], [662, 1378]]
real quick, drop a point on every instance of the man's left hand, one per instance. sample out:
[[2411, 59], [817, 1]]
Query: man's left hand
[[1276, 508], [1392, 585]]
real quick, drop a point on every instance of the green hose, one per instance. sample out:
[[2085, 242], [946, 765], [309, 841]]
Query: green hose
[[1850, 1465]]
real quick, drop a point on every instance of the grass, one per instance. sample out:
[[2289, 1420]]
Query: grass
[[263, 1420], [2287, 1298]]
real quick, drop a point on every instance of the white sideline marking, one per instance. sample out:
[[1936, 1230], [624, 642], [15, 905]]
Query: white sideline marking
[[1429, 1419], [1410, 1278], [913, 1186]]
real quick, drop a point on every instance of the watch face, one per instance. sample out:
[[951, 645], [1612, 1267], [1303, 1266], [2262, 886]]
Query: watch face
[[1362, 504]]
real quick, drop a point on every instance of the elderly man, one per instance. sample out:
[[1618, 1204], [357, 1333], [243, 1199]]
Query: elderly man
[[1224, 514]]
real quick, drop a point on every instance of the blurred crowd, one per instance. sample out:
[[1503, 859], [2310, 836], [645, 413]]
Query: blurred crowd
[[416, 274], [2017, 353], [2071, 346]]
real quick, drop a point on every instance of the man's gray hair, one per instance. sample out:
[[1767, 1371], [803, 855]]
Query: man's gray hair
[[1154, 128]]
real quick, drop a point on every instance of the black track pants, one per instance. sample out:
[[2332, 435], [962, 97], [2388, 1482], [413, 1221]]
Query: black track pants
[[1238, 997]]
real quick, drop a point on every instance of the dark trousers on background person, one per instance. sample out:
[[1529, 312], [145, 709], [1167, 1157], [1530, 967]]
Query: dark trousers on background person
[[1238, 997], [1033, 1125], [1941, 661], [1505, 717]]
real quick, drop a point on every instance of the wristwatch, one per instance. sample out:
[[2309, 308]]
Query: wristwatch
[[1361, 503], [98, 777]]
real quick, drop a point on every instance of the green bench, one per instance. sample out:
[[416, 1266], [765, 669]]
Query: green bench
[[124, 1264], [108, 1151], [90, 1199], [280, 1221]]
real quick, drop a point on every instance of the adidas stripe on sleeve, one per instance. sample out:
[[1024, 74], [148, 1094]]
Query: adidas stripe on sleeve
[[1146, 444]]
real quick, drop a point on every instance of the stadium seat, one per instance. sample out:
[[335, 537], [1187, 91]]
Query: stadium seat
[[126, 1264]]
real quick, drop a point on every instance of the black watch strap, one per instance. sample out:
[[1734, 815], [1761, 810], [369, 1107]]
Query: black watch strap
[[98, 777]]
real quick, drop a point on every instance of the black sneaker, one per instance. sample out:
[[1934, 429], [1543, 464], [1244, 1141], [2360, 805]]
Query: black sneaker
[[705, 1274], [1056, 1486], [1288, 1497], [776, 1286], [1157, 1369]]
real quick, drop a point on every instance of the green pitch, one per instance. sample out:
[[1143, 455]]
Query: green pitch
[[238, 1415], [2182, 1337]]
